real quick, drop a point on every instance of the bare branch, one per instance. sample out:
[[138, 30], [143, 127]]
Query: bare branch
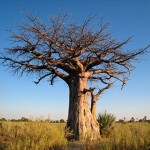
[[41, 78], [62, 49]]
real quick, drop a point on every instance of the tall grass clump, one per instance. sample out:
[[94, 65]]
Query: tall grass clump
[[31, 136], [129, 136], [105, 121]]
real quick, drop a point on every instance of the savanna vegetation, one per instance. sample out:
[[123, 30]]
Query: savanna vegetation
[[43, 135], [77, 53], [31, 135]]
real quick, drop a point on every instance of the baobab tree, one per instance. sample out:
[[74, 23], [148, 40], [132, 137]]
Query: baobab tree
[[77, 54]]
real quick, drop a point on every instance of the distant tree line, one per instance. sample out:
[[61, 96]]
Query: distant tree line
[[144, 119], [23, 119]]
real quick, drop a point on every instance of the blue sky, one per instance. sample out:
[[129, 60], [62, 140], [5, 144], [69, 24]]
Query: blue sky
[[21, 97]]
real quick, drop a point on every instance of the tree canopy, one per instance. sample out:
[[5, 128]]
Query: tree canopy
[[62, 49]]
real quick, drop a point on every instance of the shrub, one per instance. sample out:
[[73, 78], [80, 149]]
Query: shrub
[[105, 121], [3, 119], [62, 121], [121, 121]]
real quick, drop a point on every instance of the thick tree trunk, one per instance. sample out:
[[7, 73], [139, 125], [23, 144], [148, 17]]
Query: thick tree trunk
[[80, 119], [93, 108]]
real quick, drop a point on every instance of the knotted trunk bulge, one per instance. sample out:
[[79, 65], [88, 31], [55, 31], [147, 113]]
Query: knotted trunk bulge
[[80, 118]]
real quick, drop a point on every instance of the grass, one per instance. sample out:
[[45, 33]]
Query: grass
[[50, 136], [129, 136], [31, 136]]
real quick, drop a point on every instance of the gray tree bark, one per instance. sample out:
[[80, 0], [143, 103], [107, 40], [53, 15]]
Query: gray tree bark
[[93, 108], [80, 118]]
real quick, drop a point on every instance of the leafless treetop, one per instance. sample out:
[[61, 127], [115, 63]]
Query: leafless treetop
[[65, 50]]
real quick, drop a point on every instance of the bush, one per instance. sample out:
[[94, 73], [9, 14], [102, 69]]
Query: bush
[[62, 121], [105, 121], [3, 119]]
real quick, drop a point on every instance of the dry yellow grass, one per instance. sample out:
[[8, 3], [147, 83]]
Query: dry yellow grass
[[45, 136], [31, 135]]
